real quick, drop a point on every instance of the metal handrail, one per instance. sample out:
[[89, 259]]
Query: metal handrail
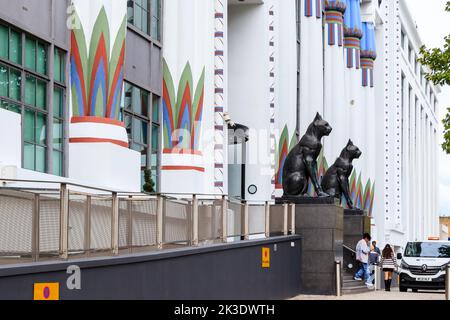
[[123, 193], [348, 248]]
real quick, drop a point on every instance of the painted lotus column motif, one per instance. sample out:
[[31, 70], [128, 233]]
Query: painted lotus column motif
[[182, 119], [97, 71]]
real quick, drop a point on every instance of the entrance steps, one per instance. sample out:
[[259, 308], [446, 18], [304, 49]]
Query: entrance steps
[[352, 286]]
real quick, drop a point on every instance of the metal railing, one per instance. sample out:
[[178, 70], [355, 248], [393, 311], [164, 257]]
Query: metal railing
[[72, 220]]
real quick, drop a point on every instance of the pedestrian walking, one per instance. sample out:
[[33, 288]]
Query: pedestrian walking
[[389, 264], [362, 256]]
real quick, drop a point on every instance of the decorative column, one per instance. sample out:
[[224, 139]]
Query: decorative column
[[356, 111], [98, 139], [219, 63], [272, 96], [368, 56], [311, 62], [336, 111]]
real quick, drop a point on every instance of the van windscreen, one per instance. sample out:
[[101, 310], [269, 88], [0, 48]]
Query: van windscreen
[[427, 250]]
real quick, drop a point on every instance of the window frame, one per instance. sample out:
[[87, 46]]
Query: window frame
[[151, 122]]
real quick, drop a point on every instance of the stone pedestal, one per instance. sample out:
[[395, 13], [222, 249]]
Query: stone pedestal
[[356, 223], [321, 226]]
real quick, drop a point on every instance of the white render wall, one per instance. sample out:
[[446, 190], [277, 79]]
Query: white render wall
[[407, 174]]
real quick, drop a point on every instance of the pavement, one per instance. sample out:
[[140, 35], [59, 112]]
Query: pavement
[[395, 294]]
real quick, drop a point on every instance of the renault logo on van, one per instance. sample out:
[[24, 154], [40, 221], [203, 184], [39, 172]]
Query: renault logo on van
[[424, 267]]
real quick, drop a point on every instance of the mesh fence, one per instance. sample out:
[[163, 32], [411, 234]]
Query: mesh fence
[[209, 220], [177, 217], [256, 219], [49, 223], [234, 220], [90, 222], [144, 222], [124, 225], [16, 222], [101, 219], [78, 209], [276, 219]]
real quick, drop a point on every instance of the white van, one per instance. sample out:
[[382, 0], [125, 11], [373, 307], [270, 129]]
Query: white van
[[424, 265]]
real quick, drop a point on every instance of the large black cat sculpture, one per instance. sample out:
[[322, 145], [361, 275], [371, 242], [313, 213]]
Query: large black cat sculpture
[[301, 162], [335, 181]]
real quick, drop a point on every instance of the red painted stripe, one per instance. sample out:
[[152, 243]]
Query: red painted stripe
[[76, 55], [92, 119], [98, 140], [101, 52], [182, 168], [182, 151], [115, 80], [169, 107]]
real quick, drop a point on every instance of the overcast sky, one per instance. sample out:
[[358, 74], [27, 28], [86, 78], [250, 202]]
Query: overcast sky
[[433, 23]]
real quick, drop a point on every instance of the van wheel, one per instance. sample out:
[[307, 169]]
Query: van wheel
[[403, 289]]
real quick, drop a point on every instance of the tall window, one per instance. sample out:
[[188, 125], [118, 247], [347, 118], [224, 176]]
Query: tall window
[[140, 113], [24, 87], [146, 16]]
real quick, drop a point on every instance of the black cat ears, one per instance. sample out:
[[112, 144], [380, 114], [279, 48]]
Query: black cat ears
[[318, 117], [350, 143]]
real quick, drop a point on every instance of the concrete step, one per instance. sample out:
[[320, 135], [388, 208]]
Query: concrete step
[[355, 289]]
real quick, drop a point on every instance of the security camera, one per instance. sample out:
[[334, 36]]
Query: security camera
[[227, 119]]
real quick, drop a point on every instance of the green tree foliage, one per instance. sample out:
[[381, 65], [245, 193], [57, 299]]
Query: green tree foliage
[[438, 60], [149, 184]]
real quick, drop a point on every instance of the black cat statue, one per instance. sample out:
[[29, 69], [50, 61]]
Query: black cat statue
[[301, 162], [335, 181]]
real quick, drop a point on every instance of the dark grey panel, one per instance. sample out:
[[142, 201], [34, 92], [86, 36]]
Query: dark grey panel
[[138, 60], [156, 76], [36, 17], [61, 31], [230, 271]]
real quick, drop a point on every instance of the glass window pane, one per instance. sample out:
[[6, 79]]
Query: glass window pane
[[57, 102], [145, 19], [139, 131], [128, 126], [57, 134], [135, 99], [155, 109], [57, 163], [14, 84], [154, 160], [3, 81], [4, 40], [28, 129], [30, 90], [41, 133], [155, 137], [9, 106], [15, 47], [41, 94], [57, 66], [30, 54], [40, 159], [138, 17], [42, 59], [28, 156], [130, 11], [144, 103]]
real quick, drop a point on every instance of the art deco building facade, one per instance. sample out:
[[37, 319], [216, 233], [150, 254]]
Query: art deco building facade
[[100, 90]]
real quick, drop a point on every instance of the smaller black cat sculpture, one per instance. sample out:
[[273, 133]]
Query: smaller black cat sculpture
[[301, 162], [335, 181]]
